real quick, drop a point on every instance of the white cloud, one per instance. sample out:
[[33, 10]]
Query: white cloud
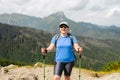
[[9, 6], [44, 8], [104, 12], [114, 12]]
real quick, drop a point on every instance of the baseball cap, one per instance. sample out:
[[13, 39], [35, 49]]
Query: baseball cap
[[64, 23]]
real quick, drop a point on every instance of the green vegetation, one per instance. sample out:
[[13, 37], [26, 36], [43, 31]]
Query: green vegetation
[[6, 62], [21, 46], [112, 66]]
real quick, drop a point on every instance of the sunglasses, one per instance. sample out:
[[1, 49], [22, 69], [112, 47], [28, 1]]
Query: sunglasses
[[63, 27]]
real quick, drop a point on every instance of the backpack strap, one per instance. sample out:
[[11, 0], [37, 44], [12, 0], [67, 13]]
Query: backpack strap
[[71, 38], [58, 35], [56, 39]]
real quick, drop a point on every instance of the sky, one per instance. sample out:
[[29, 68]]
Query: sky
[[100, 12]]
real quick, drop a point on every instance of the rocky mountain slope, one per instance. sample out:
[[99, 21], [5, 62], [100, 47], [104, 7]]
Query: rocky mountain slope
[[36, 73]]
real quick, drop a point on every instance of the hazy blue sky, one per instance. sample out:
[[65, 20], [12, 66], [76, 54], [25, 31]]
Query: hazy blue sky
[[101, 12]]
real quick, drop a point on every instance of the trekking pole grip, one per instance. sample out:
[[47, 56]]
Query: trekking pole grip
[[44, 53]]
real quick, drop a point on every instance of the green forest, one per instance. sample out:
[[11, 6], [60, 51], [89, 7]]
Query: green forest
[[21, 46]]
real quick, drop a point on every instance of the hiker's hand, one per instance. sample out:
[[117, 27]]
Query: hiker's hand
[[80, 49], [44, 51]]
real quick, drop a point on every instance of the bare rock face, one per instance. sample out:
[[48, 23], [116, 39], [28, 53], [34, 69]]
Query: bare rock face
[[4, 70], [7, 68], [29, 77], [12, 72], [24, 77], [38, 64]]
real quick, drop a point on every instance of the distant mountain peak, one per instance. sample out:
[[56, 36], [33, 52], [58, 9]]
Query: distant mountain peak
[[59, 14]]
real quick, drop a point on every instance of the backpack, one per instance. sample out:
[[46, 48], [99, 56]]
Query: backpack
[[71, 38]]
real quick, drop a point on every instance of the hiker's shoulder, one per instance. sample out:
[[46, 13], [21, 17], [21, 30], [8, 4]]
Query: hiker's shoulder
[[73, 37], [55, 36]]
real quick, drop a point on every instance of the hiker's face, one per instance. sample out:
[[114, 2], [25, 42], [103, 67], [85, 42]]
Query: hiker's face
[[64, 29]]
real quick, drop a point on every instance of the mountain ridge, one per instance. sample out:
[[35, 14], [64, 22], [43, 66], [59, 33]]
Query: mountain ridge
[[50, 23]]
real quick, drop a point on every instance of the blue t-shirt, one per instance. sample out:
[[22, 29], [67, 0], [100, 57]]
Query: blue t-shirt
[[64, 48]]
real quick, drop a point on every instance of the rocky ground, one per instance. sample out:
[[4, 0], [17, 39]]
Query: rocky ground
[[13, 72]]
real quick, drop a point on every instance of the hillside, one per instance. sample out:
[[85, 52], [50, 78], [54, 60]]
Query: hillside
[[21, 45], [50, 23]]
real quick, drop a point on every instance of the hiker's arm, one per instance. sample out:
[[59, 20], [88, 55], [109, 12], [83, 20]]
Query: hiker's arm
[[50, 47], [77, 47]]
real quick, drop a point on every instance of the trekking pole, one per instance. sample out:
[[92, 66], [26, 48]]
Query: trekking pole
[[44, 66], [79, 65], [44, 51]]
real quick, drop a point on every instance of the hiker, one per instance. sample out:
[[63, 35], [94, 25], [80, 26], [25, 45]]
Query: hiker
[[64, 58]]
